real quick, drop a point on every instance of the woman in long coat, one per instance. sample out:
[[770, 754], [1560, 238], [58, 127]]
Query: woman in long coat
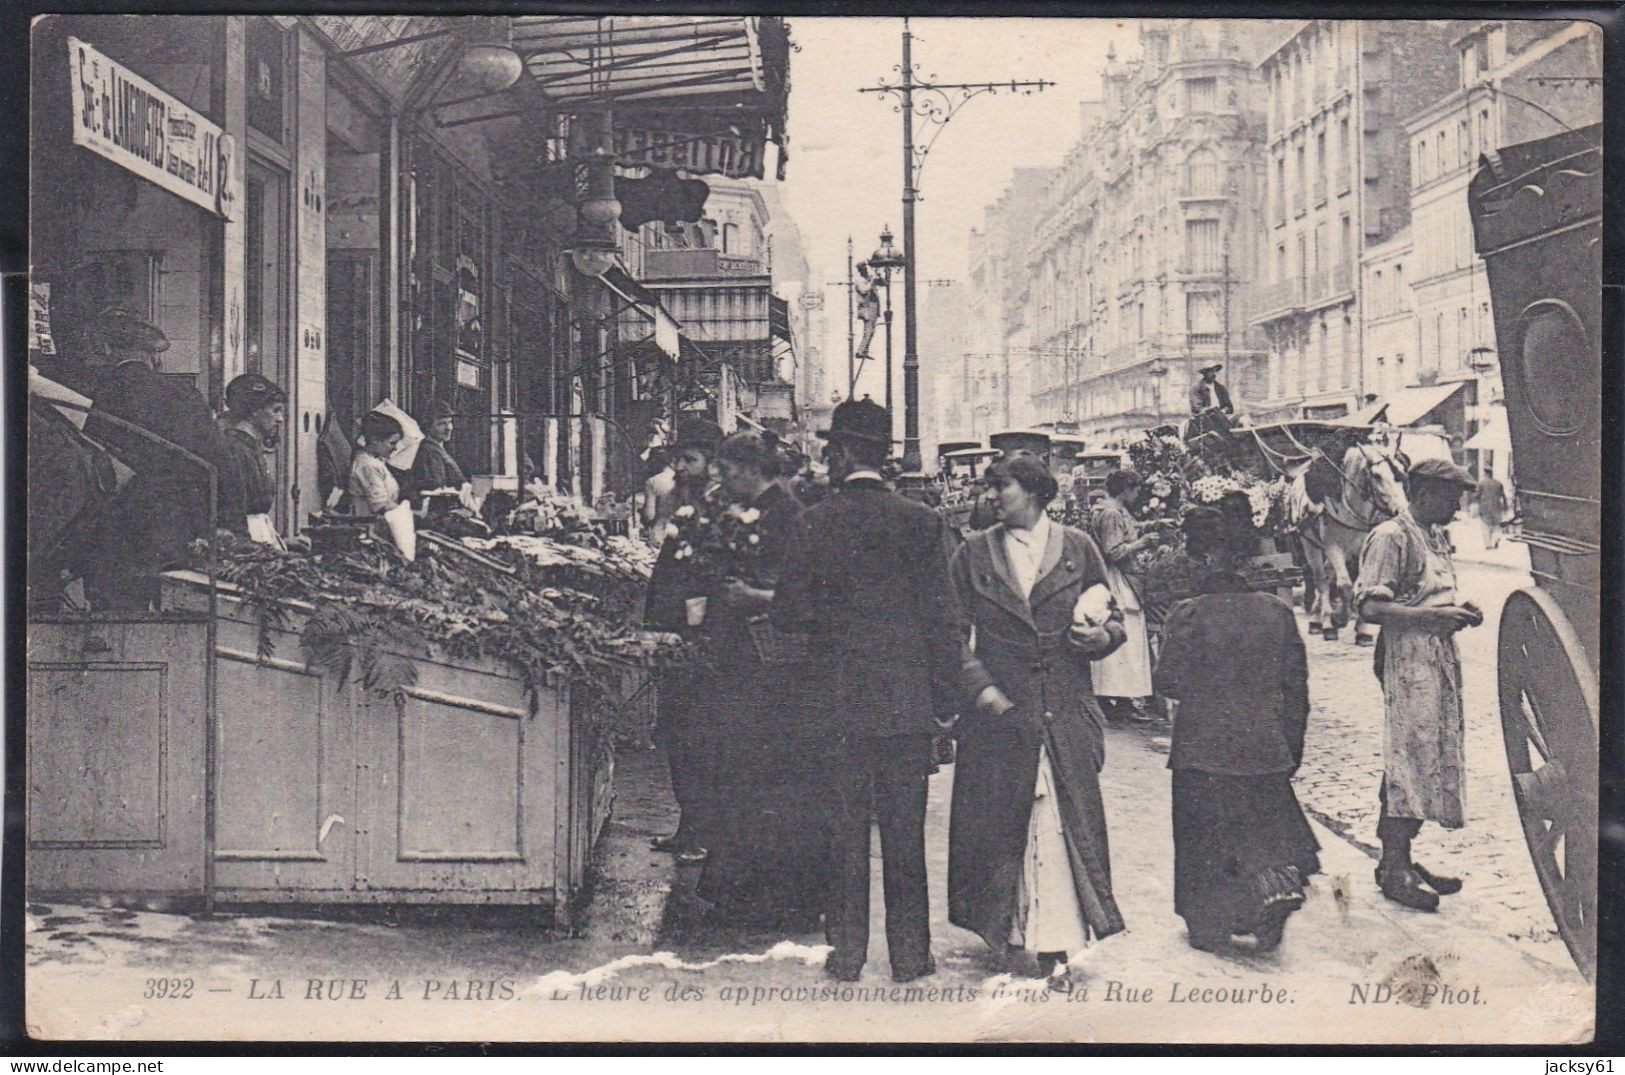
[[770, 847], [1028, 867]]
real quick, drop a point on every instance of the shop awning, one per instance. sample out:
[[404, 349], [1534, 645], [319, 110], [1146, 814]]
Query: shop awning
[[1409, 406], [700, 93], [640, 57], [1493, 436], [666, 332]]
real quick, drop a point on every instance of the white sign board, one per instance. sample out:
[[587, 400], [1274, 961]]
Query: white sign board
[[138, 126]]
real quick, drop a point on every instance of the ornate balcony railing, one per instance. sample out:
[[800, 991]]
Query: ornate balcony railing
[[1281, 296], [1342, 280]]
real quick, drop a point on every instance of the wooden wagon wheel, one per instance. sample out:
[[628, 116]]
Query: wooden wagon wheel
[[1549, 724]]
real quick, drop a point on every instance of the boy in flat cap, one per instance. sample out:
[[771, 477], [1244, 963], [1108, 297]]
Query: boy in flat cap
[[1407, 585]]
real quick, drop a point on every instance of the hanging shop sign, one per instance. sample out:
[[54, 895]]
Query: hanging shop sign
[[735, 155], [39, 318], [138, 126]]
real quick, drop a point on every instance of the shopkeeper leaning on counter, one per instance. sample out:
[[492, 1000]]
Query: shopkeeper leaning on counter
[[373, 488]]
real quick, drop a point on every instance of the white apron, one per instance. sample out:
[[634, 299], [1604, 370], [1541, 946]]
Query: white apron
[[1422, 743], [1126, 671]]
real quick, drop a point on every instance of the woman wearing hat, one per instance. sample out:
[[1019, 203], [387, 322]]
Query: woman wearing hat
[[1028, 866], [1242, 846], [255, 411], [433, 467], [1124, 677]]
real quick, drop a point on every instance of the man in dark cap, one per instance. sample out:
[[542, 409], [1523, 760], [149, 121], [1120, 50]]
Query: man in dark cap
[[866, 577], [681, 696], [255, 411], [1407, 584], [166, 505], [1208, 393], [434, 467]]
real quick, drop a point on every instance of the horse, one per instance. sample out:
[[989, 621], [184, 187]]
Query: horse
[[1333, 506]]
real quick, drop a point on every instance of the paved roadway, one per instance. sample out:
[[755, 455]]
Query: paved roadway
[[1343, 761], [1486, 968]]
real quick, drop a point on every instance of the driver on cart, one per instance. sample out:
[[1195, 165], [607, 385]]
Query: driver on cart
[[1211, 409]]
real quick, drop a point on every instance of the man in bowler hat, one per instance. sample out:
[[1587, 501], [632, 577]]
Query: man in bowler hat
[[866, 577]]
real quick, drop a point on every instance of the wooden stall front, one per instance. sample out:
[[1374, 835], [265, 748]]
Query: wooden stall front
[[466, 791]]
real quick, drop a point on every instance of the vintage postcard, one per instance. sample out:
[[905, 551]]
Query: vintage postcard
[[713, 527]]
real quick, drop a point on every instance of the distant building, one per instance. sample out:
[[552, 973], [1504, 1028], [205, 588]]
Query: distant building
[[715, 277], [1141, 254], [1339, 181], [1500, 70], [995, 308], [942, 345], [1388, 311]]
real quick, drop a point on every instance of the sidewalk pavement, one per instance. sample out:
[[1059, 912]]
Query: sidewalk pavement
[[1451, 979], [1467, 538]]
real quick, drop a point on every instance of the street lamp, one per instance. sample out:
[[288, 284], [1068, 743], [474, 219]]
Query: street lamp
[[886, 259], [1157, 371], [934, 103], [1482, 360], [594, 245]]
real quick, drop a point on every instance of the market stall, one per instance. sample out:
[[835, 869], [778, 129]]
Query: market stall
[[387, 730]]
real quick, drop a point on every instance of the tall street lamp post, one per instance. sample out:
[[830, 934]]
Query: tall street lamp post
[[1157, 371], [935, 103], [887, 259]]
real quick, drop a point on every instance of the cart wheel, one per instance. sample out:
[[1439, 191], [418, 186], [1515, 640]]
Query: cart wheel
[[1549, 724]]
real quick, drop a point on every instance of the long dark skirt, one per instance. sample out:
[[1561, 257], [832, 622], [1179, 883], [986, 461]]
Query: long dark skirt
[[771, 846], [1234, 839]]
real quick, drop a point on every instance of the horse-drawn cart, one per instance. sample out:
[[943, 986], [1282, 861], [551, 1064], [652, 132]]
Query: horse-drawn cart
[[1537, 220]]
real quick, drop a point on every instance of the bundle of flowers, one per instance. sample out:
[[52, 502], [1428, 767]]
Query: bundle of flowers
[[1267, 500], [1166, 571], [543, 510], [718, 540], [374, 609]]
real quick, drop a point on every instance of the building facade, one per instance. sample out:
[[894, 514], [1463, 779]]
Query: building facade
[[1501, 69], [995, 378], [1140, 264], [715, 277], [1389, 322], [1339, 179]]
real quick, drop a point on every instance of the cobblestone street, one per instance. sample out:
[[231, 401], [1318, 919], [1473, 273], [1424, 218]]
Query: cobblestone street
[[642, 964], [1343, 761]]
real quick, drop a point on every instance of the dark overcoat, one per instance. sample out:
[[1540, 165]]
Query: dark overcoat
[[166, 505], [245, 487], [866, 576], [434, 468], [1022, 647]]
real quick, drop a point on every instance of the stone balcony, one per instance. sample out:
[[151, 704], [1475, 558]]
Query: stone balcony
[[1281, 297]]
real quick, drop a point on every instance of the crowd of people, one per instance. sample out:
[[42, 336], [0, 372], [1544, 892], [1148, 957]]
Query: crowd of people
[[140, 417], [1017, 636], [844, 629]]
